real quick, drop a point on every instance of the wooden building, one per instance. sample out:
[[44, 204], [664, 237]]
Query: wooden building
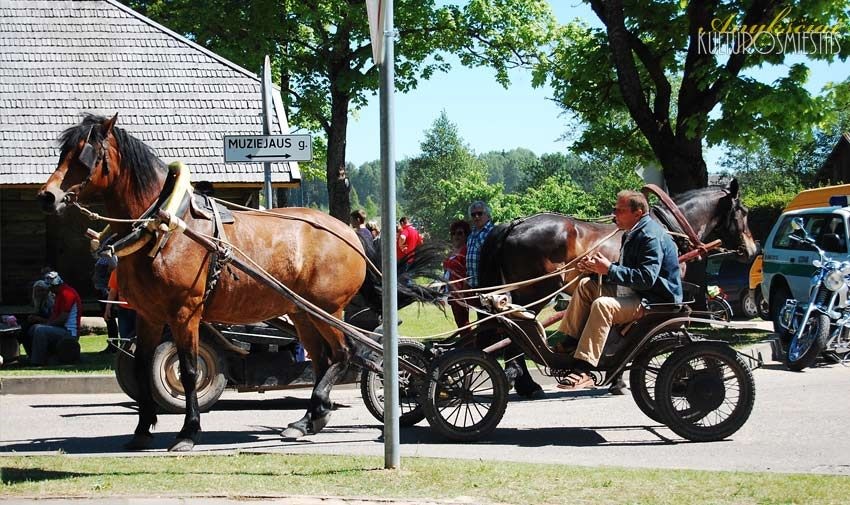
[[836, 168], [59, 59]]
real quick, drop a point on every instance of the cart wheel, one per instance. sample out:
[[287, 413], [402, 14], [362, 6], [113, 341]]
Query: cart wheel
[[166, 387], [372, 386], [643, 375], [467, 395], [705, 392], [124, 364]]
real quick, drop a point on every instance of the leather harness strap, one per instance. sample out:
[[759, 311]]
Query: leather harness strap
[[680, 218]]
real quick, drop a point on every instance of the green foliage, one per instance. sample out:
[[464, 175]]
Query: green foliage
[[508, 167]]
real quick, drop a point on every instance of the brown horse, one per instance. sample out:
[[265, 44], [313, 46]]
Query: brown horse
[[316, 255], [530, 247]]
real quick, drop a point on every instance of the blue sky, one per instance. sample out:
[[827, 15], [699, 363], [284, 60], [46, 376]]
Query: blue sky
[[491, 118]]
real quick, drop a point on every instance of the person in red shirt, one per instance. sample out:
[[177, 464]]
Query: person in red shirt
[[408, 240], [63, 323], [454, 267]]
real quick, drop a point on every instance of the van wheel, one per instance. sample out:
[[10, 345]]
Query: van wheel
[[761, 305], [749, 307], [778, 296]]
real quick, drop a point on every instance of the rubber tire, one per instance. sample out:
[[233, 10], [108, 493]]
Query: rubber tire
[[761, 303], [413, 351], [124, 373], [165, 384], [749, 306], [638, 377], [720, 307], [685, 426], [450, 362], [778, 297], [817, 345]]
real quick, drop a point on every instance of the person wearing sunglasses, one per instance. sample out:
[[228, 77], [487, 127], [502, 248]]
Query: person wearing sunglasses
[[515, 369], [648, 269]]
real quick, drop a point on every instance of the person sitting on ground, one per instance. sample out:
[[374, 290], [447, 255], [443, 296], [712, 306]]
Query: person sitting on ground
[[62, 324], [648, 269]]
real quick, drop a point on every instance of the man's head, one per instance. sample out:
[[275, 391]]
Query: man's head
[[53, 279], [358, 217], [630, 207], [404, 221], [479, 212]]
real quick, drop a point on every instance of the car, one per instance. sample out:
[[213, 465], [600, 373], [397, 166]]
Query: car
[[788, 264], [733, 278]]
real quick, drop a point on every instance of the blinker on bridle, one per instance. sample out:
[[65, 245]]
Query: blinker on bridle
[[89, 156]]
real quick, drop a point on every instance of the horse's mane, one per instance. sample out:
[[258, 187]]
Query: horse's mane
[[136, 156]]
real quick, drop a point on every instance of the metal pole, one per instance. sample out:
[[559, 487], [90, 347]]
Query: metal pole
[[266, 90], [388, 239]]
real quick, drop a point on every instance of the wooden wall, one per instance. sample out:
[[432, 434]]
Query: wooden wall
[[29, 240]]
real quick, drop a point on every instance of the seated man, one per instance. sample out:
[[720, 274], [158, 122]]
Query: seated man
[[648, 269], [63, 323]]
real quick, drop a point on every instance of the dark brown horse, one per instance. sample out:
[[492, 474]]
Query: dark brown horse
[[314, 254], [530, 247]]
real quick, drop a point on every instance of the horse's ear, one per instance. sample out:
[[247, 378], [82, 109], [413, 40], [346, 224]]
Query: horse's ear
[[733, 188], [106, 128]]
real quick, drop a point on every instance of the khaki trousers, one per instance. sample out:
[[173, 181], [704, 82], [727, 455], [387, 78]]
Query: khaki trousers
[[590, 316]]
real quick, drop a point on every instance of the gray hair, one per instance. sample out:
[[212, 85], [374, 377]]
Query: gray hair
[[478, 204]]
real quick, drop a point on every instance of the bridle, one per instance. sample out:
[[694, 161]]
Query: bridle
[[90, 157]]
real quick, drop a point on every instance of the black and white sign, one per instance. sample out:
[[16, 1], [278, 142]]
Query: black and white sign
[[263, 148]]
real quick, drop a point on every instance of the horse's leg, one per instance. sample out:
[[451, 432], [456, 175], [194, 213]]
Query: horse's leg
[[329, 367], [524, 383], [148, 336], [186, 340]]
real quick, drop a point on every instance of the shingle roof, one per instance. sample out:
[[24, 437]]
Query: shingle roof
[[60, 58]]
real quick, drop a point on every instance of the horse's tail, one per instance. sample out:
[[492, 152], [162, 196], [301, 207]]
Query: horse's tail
[[490, 261], [425, 263]]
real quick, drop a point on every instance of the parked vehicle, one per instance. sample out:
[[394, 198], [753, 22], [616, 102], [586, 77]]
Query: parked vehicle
[[254, 357], [822, 324], [788, 263], [732, 277]]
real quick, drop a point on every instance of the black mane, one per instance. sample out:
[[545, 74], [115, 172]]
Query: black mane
[[136, 157]]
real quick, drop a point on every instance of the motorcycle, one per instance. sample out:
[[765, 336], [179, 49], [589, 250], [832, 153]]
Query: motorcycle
[[821, 326]]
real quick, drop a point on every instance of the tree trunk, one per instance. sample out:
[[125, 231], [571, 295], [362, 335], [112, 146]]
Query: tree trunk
[[339, 204], [683, 165]]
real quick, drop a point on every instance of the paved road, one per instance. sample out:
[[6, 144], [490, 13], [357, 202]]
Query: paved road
[[798, 425]]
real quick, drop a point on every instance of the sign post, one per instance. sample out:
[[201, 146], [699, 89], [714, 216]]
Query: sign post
[[267, 148], [267, 129]]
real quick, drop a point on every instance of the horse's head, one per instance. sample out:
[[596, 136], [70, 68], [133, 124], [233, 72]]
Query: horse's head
[[84, 164], [732, 227]]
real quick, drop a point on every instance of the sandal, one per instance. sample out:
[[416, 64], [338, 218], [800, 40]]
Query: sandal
[[576, 381]]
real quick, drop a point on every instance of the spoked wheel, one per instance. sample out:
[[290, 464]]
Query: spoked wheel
[[803, 351], [720, 309], [705, 392], [372, 386], [467, 395], [166, 387], [643, 375]]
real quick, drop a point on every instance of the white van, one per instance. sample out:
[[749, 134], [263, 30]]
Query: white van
[[788, 265]]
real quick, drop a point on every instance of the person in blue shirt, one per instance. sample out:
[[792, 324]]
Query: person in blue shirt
[[648, 269]]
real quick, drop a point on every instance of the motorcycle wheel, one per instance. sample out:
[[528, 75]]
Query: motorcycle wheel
[[705, 392], [467, 395], [166, 387], [803, 351], [778, 297], [372, 386], [643, 375], [124, 364]]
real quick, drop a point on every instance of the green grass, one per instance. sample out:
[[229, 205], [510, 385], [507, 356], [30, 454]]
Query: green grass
[[419, 478], [91, 361]]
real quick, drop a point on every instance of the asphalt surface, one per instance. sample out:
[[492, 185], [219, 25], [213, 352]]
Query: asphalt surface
[[797, 425]]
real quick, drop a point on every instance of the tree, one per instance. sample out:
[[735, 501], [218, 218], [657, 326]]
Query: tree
[[434, 180], [321, 51], [660, 68], [507, 167]]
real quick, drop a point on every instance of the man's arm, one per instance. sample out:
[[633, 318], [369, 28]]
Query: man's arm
[[643, 275]]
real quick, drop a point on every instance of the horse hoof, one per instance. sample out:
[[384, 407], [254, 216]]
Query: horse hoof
[[316, 425], [292, 433], [139, 442], [182, 445]]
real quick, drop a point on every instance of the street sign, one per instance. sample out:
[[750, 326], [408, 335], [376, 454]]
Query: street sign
[[267, 148]]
